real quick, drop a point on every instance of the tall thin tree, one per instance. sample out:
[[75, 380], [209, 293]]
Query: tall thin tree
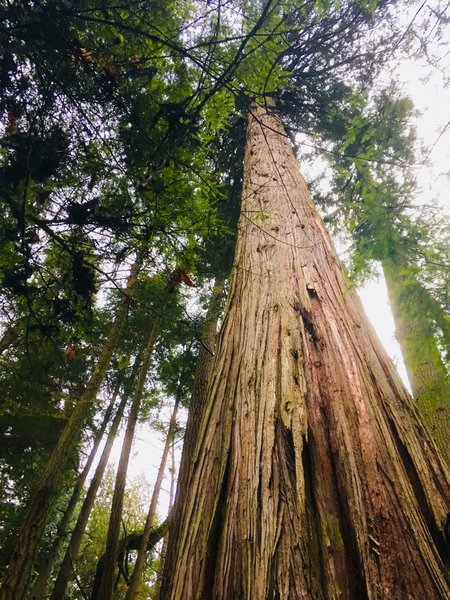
[[376, 197], [45, 570], [136, 577], [72, 550], [418, 317], [105, 588]]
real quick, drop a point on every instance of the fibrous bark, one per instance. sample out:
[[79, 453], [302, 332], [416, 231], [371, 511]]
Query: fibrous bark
[[200, 387], [312, 476], [197, 407]]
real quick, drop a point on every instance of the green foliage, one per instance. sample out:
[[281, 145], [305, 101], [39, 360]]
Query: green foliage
[[373, 144]]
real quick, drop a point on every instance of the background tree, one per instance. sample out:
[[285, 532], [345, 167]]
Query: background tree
[[55, 79], [138, 493], [375, 189], [65, 569]]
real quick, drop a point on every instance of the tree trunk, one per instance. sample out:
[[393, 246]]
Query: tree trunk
[[71, 555], [201, 379], [132, 541], [8, 338], [312, 476], [38, 588], [416, 334], [162, 556], [106, 587], [173, 477], [197, 407], [149, 523]]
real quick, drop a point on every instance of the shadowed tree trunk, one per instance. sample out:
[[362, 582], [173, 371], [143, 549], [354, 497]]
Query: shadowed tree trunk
[[416, 333], [136, 576], [106, 587], [201, 379], [71, 554], [17, 576], [196, 406], [131, 542], [162, 556], [9, 337], [312, 476], [38, 588]]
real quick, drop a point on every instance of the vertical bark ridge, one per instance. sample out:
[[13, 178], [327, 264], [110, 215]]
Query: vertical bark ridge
[[310, 419]]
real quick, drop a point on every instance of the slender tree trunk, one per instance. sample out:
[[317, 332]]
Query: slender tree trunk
[[149, 523], [19, 570], [201, 380], [416, 335], [105, 589], [130, 542], [173, 476], [312, 476], [197, 406], [71, 554], [162, 557], [41, 581]]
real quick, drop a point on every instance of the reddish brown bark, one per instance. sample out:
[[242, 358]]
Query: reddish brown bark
[[200, 387], [197, 407], [312, 476]]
